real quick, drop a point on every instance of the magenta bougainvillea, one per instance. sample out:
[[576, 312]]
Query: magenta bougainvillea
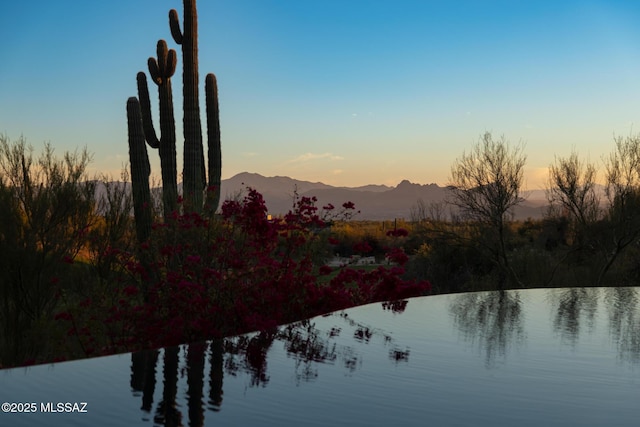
[[241, 271]]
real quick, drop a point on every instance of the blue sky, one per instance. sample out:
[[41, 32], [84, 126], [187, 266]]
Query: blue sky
[[347, 92]]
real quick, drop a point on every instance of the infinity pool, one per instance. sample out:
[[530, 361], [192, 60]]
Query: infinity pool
[[552, 357]]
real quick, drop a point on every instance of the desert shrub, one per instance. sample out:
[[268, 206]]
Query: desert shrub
[[233, 273], [449, 265], [46, 208]]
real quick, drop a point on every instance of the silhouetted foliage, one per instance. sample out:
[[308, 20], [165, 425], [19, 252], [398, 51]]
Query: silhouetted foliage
[[486, 184], [47, 206]]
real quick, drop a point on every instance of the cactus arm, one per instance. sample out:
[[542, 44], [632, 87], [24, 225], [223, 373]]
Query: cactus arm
[[172, 61], [174, 24], [145, 106], [140, 170], [154, 71], [167, 149], [163, 68], [213, 137], [162, 52]]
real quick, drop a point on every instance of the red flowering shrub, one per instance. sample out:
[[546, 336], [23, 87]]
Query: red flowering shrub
[[362, 247], [240, 271], [398, 256], [324, 270], [398, 232]]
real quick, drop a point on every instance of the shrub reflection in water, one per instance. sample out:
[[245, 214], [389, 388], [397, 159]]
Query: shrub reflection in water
[[520, 357]]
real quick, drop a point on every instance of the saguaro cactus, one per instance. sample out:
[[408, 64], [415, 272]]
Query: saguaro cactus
[[193, 174], [194, 171], [161, 70], [140, 170], [213, 137]]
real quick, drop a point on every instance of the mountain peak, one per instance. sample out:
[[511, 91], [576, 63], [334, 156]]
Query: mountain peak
[[406, 183]]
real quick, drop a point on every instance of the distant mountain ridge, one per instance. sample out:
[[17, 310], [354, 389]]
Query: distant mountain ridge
[[375, 202]]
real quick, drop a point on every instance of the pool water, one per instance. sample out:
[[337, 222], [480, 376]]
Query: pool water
[[552, 357]]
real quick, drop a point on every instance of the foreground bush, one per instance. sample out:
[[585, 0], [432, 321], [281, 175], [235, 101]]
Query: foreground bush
[[200, 278], [46, 210]]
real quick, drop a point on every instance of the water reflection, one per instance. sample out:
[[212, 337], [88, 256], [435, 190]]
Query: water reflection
[[492, 320], [195, 382], [573, 307], [624, 322], [167, 413], [579, 367], [143, 376], [216, 374], [249, 354], [308, 345], [576, 309]]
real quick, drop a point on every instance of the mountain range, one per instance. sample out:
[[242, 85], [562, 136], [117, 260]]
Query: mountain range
[[375, 202]]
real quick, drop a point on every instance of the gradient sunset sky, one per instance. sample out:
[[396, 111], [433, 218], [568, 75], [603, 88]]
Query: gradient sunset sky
[[347, 92]]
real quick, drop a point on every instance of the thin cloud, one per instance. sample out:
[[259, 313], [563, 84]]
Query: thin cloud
[[306, 157]]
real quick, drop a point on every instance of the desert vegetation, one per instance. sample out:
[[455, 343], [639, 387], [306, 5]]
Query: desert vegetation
[[83, 276], [77, 280], [587, 237], [98, 265]]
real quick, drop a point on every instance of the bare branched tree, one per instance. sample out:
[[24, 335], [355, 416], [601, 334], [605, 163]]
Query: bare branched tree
[[486, 185], [622, 174], [622, 168], [432, 211], [487, 180], [571, 189]]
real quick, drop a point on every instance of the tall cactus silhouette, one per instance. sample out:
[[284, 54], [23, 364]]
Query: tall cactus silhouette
[[161, 69], [140, 170], [193, 174], [213, 136], [194, 169]]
